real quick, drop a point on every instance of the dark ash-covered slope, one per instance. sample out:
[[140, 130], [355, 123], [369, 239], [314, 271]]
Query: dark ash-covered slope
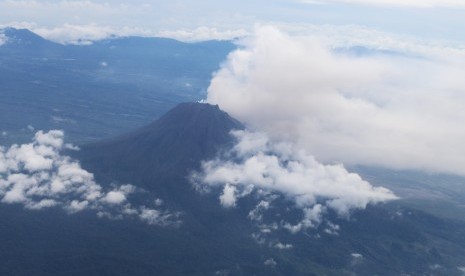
[[167, 148]]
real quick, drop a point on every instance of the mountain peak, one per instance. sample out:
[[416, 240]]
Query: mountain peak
[[22, 36], [195, 114], [171, 145]]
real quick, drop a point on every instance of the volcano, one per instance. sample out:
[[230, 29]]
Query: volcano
[[164, 151], [211, 240]]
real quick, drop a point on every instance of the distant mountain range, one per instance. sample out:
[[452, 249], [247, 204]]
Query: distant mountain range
[[109, 87]]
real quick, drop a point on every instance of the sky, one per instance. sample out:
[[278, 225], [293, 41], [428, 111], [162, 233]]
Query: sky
[[66, 20]]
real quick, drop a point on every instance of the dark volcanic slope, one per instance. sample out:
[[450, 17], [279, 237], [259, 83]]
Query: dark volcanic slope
[[165, 149]]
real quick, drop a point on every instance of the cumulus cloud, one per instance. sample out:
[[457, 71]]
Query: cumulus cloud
[[38, 176], [228, 197], [390, 110], [256, 163], [115, 197]]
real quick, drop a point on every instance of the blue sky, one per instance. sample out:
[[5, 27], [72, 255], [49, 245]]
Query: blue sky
[[429, 19]]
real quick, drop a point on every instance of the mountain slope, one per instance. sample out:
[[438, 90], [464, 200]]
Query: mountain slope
[[168, 147], [24, 37]]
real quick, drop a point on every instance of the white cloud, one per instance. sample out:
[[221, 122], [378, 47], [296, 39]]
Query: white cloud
[[77, 206], [278, 168], [357, 259], [398, 3], [87, 34], [38, 176], [257, 213], [283, 246], [44, 203], [52, 138], [393, 110], [115, 197], [270, 262], [156, 217], [228, 197], [332, 229], [311, 219]]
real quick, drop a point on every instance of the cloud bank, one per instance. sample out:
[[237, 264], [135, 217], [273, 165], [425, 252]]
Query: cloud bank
[[390, 110], [86, 34], [258, 164], [37, 176]]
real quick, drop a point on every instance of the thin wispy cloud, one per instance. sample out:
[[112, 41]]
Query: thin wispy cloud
[[204, 33]]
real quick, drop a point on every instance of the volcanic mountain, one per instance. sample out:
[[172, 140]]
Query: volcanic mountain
[[211, 240], [165, 150]]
